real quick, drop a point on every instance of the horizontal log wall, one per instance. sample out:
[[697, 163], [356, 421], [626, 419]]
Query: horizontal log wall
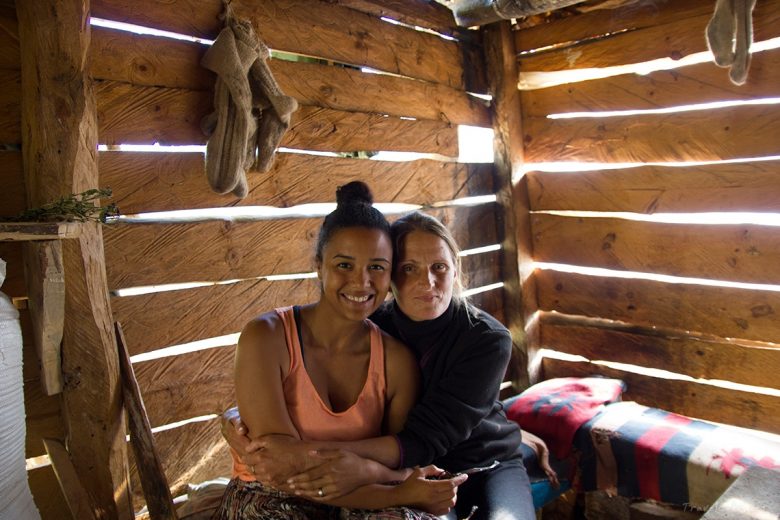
[[151, 89], [642, 310]]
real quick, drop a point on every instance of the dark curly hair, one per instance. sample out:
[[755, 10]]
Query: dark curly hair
[[353, 209]]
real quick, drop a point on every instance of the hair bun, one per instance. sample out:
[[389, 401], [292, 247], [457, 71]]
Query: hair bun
[[355, 192]]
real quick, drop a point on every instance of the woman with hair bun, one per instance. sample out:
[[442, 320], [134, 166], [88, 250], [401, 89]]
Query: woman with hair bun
[[323, 372]]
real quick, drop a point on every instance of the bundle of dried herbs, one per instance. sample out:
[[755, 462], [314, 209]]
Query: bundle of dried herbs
[[81, 207]]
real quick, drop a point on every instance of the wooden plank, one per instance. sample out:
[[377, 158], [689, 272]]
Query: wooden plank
[[725, 312], [12, 196], [9, 38], [674, 40], [190, 385], [47, 494], [705, 135], [60, 130], [46, 293], [38, 231], [144, 317], [689, 356], [171, 253], [143, 182], [10, 103], [586, 26], [43, 415], [195, 453], [708, 402], [737, 253], [79, 501], [749, 186], [423, 13], [695, 84], [153, 482], [167, 117], [311, 28], [519, 292]]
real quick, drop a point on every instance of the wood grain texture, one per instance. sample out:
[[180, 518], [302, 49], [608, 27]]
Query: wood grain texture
[[725, 312], [10, 107], [311, 28], [143, 182], [9, 38], [695, 84], [194, 453], [730, 133], [737, 253], [173, 118], [153, 481], [423, 13], [60, 130], [47, 494], [43, 414], [12, 196], [692, 357], [79, 501], [708, 402], [520, 300], [676, 39], [598, 23], [171, 253], [204, 312], [749, 186]]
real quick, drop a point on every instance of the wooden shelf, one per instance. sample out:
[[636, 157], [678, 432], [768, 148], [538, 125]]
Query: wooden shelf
[[26, 231]]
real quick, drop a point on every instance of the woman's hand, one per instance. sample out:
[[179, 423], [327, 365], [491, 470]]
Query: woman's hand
[[434, 496], [542, 455], [339, 472]]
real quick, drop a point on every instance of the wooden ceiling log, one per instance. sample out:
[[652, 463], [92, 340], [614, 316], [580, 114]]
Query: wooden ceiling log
[[59, 125]]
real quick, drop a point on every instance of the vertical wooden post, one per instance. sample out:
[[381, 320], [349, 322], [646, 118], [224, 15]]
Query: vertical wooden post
[[59, 142], [520, 300]]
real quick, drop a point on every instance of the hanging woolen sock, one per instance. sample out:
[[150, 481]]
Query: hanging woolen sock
[[720, 32], [744, 37]]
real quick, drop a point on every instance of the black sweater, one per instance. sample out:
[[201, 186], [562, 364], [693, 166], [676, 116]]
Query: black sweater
[[458, 421]]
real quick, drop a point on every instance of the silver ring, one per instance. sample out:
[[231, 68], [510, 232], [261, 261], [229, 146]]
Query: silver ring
[[320, 493]]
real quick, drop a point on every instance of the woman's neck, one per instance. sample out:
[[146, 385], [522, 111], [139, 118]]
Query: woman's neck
[[330, 330]]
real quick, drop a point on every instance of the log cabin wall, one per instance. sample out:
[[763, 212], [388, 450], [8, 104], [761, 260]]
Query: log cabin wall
[[150, 89], [622, 282]]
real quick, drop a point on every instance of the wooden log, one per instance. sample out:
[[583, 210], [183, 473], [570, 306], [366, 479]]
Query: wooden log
[[143, 182], [190, 385], [60, 129], [173, 118], [43, 413], [203, 312], [725, 312], [422, 13], [695, 84], [693, 357], [153, 482], [708, 402], [46, 293], [737, 253], [38, 231], [674, 40], [10, 102], [594, 24], [730, 133], [749, 187], [520, 297], [76, 495], [9, 38], [310, 28]]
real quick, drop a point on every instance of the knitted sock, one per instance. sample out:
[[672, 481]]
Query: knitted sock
[[720, 32], [744, 37]]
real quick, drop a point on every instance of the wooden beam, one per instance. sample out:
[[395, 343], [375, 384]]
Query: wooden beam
[[153, 481], [34, 231], [59, 131], [79, 501], [519, 290]]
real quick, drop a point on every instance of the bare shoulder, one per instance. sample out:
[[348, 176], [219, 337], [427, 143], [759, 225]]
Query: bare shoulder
[[263, 339]]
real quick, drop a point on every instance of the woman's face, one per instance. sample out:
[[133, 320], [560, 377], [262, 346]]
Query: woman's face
[[355, 271], [424, 276]]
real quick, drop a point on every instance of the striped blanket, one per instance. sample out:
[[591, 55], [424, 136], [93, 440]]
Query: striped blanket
[[635, 451]]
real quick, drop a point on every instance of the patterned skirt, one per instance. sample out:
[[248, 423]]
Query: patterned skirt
[[254, 501]]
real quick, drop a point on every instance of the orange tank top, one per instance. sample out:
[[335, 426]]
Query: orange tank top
[[310, 415]]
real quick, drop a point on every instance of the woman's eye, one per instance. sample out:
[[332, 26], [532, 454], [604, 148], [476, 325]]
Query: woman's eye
[[377, 267], [406, 268], [343, 265], [440, 267]]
